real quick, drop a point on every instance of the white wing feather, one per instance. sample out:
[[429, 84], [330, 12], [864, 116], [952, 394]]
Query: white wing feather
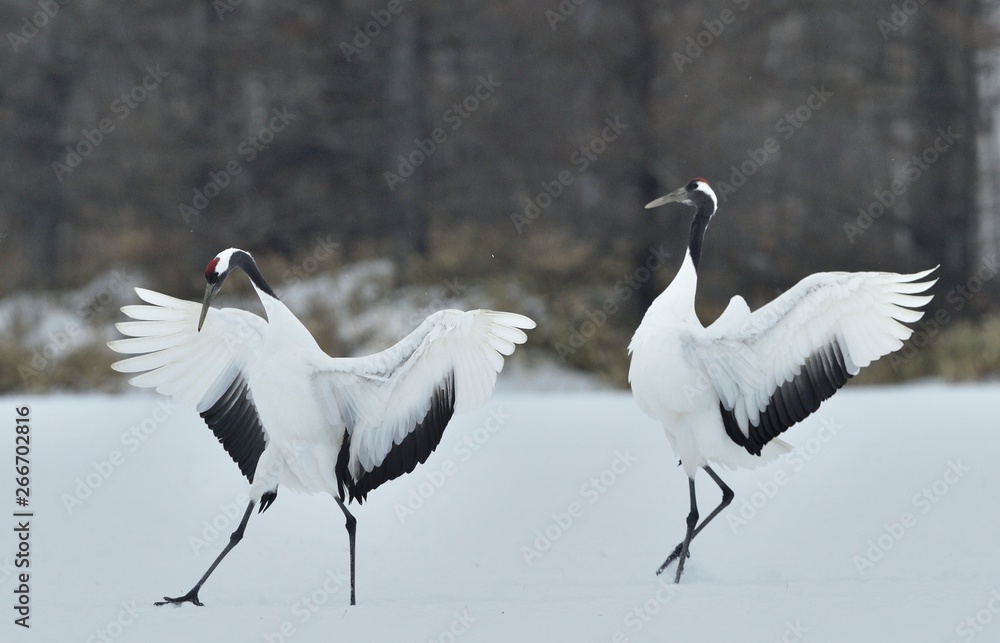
[[175, 359], [383, 397]]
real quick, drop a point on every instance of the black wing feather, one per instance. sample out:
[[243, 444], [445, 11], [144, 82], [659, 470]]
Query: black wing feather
[[234, 421], [414, 449], [824, 372]]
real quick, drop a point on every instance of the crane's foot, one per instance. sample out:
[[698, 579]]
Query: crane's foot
[[680, 567], [674, 555], [190, 597]]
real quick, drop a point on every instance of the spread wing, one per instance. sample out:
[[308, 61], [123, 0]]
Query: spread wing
[[397, 403], [773, 367], [205, 369]]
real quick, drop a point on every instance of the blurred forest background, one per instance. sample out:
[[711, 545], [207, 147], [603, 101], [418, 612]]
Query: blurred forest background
[[508, 147]]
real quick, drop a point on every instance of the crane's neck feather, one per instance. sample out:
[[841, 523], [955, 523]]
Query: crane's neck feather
[[257, 279], [676, 302], [698, 227], [236, 258]]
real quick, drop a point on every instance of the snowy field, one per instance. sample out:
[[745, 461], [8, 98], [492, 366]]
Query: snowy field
[[541, 517]]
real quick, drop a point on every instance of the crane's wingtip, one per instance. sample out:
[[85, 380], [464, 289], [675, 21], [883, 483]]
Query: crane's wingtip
[[916, 277], [514, 320], [911, 283]]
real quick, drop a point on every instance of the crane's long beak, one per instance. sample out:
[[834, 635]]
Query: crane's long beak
[[210, 291], [676, 196]]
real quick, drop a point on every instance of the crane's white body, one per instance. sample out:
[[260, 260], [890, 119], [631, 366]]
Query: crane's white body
[[303, 439], [675, 390], [682, 371]]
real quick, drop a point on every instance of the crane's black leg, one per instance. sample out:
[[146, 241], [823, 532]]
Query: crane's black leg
[[692, 524], [352, 522], [727, 497], [192, 596]]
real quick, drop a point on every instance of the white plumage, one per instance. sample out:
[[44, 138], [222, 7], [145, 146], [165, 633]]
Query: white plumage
[[289, 414], [380, 398], [725, 392]]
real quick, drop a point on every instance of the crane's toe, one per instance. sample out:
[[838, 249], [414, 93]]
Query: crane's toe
[[190, 597], [674, 555]]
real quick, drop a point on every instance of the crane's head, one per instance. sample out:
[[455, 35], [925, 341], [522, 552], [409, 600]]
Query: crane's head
[[217, 271], [697, 193]]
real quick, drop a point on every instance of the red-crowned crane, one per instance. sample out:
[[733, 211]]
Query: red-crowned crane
[[289, 414], [724, 393]]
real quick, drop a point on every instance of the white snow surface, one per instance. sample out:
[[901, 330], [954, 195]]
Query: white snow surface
[[540, 517]]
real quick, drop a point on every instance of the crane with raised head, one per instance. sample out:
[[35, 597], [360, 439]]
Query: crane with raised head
[[725, 392]]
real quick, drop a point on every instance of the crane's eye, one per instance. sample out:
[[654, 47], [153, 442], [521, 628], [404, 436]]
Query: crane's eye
[[692, 186]]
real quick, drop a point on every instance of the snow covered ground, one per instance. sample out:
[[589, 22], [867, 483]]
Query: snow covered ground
[[541, 517]]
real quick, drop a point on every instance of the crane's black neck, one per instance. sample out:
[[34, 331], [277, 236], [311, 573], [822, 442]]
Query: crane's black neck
[[244, 261], [698, 226]]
